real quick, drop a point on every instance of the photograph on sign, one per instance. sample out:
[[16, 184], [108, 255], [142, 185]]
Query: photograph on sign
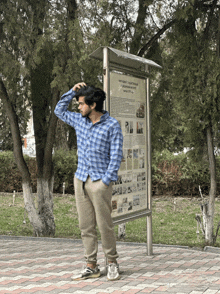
[[128, 106]]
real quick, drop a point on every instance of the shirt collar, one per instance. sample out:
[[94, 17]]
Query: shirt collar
[[102, 118]]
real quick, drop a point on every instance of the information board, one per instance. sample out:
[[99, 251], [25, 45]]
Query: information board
[[128, 106]]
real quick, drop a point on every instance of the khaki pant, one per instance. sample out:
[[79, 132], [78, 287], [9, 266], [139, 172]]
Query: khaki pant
[[94, 207]]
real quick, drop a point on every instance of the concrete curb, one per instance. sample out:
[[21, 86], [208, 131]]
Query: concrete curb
[[47, 239], [210, 249]]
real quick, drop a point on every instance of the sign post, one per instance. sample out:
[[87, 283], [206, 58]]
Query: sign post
[[127, 86]]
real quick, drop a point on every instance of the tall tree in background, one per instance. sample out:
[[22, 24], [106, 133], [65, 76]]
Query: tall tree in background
[[196, 88], [31, 56]]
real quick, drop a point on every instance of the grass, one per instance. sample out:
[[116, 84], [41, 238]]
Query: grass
[[172, 225]]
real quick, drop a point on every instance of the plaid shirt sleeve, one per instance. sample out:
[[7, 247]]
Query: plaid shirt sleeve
[[116, 154], [61, 111]]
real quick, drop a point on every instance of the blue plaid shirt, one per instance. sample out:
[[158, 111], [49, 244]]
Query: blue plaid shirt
[[99, 145]]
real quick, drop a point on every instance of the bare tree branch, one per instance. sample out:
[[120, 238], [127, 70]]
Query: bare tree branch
[[198, 218], [155, 38]]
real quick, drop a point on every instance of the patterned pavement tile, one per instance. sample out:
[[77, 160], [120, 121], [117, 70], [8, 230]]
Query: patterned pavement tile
[[33, 265]]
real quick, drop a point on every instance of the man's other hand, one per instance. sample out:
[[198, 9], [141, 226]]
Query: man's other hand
[[77, 86]]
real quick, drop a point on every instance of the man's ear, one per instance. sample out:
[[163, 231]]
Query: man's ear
[[93, 106]]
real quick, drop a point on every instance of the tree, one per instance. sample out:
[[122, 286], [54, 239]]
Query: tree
[[30, 66], [195, 84], [193, 41]]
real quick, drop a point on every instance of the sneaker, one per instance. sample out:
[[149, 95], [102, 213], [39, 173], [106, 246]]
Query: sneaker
[[113, 272], [87, 273]]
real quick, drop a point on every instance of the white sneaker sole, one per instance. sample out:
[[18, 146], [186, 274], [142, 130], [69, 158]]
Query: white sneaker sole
[[93, 276], [115, 279]]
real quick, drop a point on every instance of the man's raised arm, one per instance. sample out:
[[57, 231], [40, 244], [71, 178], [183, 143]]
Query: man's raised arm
[[61, 108]]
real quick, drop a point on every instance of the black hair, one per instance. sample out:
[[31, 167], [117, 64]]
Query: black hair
[[92, 94]]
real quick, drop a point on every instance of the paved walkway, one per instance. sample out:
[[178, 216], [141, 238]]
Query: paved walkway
[[30, 265]]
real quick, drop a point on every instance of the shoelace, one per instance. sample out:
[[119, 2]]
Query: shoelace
[[86, 269]]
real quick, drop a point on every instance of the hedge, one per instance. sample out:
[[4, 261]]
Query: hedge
[[181, 174], [171, 174], [10, 178], [65, 163]]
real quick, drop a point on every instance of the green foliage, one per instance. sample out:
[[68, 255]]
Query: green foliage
[[13, 70], [65, 164], [181, 174], [5, 132], [171, 174], [193, 80], [167, 127], [10, 178]]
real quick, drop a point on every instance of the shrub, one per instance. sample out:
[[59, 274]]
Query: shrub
[[171, 174], [65, 164], [180, 174], [10, 177]]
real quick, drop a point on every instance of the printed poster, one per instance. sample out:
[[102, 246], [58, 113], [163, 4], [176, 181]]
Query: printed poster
[[128, 106]]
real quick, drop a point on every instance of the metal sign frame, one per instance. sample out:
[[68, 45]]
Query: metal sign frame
[[125, 63]]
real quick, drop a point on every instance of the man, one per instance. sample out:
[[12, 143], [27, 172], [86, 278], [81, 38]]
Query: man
[[99, 144]]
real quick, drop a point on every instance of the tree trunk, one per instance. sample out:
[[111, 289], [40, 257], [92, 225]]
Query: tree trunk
[[136, 40], [45, 205], [33, 215], [22, 166], [209, 237], [41, 220], [42, 100]]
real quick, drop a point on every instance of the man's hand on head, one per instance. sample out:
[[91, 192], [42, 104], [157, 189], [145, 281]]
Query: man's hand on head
[[77, 86]]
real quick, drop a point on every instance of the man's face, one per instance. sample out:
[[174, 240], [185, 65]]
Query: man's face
[[84, 109]]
